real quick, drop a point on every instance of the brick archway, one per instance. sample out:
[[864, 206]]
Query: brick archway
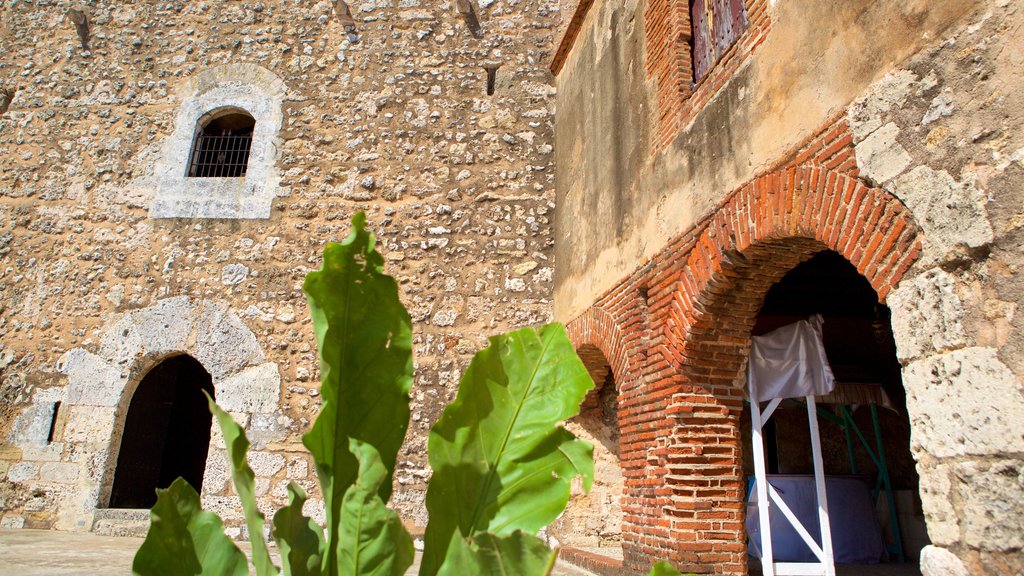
[[594, 334], [689, 505], [596, 519]]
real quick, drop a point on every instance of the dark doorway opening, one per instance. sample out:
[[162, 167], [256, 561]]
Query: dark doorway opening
[[859, 343], [166, 433]]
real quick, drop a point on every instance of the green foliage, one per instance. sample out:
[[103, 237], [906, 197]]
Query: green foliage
[[485, 553], [502, 463], [371, 539], [298, 538], [244, 479], [664, 569], [184, 540], [364, 335]]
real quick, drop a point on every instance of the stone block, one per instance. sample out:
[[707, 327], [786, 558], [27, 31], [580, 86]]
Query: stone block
[[937, 561], [59, 472], [22, 471], [965, 402], [880, 157], [89, 424], [224, 345], [12, 522], [254, 390], [92, 381], [218, 471], [165, 327], [865, 114], [951, 213], [993, 503], [266, 464], [31, 427], [121, 342], [43, 453], [229, 508], [926, 315]]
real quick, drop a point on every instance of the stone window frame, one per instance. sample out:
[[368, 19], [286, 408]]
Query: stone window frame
[[246, 87]]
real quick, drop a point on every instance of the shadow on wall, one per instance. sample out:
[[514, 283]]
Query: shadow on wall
[[595, 519]]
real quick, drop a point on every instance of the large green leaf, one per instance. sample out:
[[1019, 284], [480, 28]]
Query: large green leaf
[[364, 335], [516, 554], [185, 540], [244, 480], [663, 568], [298, 537], [372, 541], [501, 462]]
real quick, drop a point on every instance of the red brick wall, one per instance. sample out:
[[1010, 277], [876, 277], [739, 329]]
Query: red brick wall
[[667, 30], [677, 333]]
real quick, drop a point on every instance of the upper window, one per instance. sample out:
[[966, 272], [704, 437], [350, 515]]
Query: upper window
[[716, 25], [219, 162], [222, 144]]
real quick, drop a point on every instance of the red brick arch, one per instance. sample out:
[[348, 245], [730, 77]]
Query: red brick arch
[[775, 222], [757, 235], [595, 331]]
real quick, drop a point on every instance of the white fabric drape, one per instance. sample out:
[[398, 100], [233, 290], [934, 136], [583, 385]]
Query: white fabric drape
[[790, 362]]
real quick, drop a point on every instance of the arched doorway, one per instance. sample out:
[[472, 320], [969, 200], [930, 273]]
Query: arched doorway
[[594, 519], [166, 433], [864, 424]]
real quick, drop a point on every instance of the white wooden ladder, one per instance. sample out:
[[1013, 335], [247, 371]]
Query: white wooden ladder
[[825, 566]]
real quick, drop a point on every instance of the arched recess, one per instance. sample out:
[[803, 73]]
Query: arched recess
[[759, 233], [166, 433], [595, 519], [102, 383]]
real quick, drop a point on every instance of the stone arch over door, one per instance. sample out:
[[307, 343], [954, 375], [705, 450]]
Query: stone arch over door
[[758, 234], [101, 384]]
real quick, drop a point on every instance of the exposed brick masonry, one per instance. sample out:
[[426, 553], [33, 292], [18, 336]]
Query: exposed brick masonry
[[668, 32], [679, 354]]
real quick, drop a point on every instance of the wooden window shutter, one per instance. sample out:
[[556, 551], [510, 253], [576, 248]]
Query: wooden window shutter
[[716, 25]]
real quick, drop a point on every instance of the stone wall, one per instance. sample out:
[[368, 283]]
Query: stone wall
[[942, 133], [392, 118]]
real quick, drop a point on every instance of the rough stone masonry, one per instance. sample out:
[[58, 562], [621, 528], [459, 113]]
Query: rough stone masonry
[[112, 260]]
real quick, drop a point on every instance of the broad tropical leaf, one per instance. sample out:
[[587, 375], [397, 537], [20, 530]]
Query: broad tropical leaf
[[501, 462], [663, 568], [517, 554], [244, 480], [298, 537], [364, 335], [185, 540], [372, 541]]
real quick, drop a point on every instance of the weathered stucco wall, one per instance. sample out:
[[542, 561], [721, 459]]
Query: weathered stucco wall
[[618, 204], [396, 121]]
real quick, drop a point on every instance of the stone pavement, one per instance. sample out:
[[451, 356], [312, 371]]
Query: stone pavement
[[51, 553]]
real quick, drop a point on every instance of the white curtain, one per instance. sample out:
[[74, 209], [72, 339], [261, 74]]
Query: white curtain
[[790, 362]]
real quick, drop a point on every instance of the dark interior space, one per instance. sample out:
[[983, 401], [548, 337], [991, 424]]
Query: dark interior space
[[221, 148], [861, 350], [166, 433]]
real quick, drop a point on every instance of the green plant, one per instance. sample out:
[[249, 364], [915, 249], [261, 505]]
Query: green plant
[[502, 463]]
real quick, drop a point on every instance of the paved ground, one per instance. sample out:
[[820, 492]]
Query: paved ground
[[48, 553]]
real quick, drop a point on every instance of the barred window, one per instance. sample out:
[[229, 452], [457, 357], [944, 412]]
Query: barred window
[[221, 145]]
